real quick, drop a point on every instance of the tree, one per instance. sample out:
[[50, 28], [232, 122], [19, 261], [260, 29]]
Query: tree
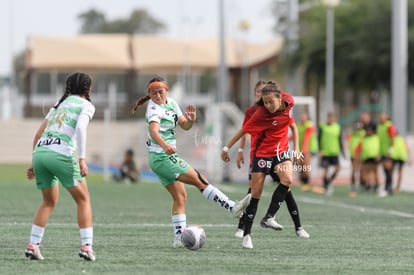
[[92, 21], [139, 21], [362, 44]]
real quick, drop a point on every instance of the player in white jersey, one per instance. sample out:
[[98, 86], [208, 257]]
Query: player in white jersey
[[162, 116], [62, 132]]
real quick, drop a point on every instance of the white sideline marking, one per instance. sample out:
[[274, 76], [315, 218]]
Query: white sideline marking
[[356, 207]]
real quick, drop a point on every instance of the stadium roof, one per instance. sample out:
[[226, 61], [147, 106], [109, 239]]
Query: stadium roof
[[141, 52]]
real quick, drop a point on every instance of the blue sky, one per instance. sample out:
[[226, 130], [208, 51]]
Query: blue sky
[[20, 19]]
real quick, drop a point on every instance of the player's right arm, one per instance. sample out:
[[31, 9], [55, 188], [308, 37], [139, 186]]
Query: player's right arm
[[240, 156], [29, 172], [224, 153], [154, 131]]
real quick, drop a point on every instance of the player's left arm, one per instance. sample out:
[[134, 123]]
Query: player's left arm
[[186, 121], [297, 155]]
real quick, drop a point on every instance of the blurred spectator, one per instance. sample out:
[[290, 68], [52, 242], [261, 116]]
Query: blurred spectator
[[368, 153], [128, 171], [355, 138], [386, 132], [308, 145], [330, 146], [400, 154]]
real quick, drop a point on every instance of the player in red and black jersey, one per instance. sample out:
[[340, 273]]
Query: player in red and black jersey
[[269, 126]]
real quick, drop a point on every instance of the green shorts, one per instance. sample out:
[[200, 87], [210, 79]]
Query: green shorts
[[50, 168], [167, 167]]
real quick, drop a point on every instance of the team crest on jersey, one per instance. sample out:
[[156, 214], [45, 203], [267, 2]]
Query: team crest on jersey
[[153, 107], [261, 163], [274, 122], [182, 163]]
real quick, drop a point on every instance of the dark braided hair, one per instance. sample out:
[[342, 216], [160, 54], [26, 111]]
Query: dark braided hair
[[144, 99], [270, 87], [76, 84]]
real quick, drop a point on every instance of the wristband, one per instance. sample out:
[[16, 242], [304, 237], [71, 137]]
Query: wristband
[[225, 149], [240, 150]]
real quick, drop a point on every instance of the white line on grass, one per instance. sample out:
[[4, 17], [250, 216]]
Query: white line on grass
[[357, 208]]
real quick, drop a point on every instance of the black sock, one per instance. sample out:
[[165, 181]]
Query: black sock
[[249, 215], [325, 182], [293, 209], [304, 179], [388, 180], [277, 199], [241, 222]]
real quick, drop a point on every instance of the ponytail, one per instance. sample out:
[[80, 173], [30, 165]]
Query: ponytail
[[139, 102]]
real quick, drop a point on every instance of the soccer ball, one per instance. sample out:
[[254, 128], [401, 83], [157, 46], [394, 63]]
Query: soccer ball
[[193, 237]]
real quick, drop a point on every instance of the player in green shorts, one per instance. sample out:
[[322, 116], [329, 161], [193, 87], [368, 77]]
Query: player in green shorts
[[62, 132], [162, 116]]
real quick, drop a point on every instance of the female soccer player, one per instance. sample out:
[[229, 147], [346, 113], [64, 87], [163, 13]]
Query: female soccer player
[[162, 116], [240, 158], [61, 132], [268, 128]]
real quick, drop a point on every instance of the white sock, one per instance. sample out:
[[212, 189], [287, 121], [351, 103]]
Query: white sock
[[36, 234], [86, 235], [179, 222], [214, 194]]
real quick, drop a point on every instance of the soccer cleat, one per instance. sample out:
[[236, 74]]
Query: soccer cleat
[[271, 223], [329, 190], [305, 187], [302, 233], [87, 253], [240, 206], [247, 242], [178, 243], [239, 233], [33, 252]]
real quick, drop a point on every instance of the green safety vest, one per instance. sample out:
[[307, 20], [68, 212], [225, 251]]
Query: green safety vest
[[329, 139]]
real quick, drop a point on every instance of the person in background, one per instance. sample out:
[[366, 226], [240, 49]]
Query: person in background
[[62, 131], [368, 153], [330, 147], [128, 171], [386, 132], [355, 138], [308, 145], [400, 155], [162, 117]]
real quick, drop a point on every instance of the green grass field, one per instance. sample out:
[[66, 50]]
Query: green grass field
[[133, 233]]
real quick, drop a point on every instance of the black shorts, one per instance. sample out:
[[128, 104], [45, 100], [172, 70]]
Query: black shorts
[[327, 161], [266, 165], [272, 174], [398, 162], [370, 161]]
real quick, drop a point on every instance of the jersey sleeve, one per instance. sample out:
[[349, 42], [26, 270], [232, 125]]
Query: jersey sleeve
[[154, 113], [254, 124], [88, 110], [49, 114]]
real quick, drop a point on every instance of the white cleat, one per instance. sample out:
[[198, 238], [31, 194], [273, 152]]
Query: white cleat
[[247, 242], [33, 252], [239, 233], [87, 253], [301, 233], [271, 223], [177, 243], [240, 206]]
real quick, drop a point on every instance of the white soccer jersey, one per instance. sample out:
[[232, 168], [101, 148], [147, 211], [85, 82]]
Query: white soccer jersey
[[167, 116], [59, 134]]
